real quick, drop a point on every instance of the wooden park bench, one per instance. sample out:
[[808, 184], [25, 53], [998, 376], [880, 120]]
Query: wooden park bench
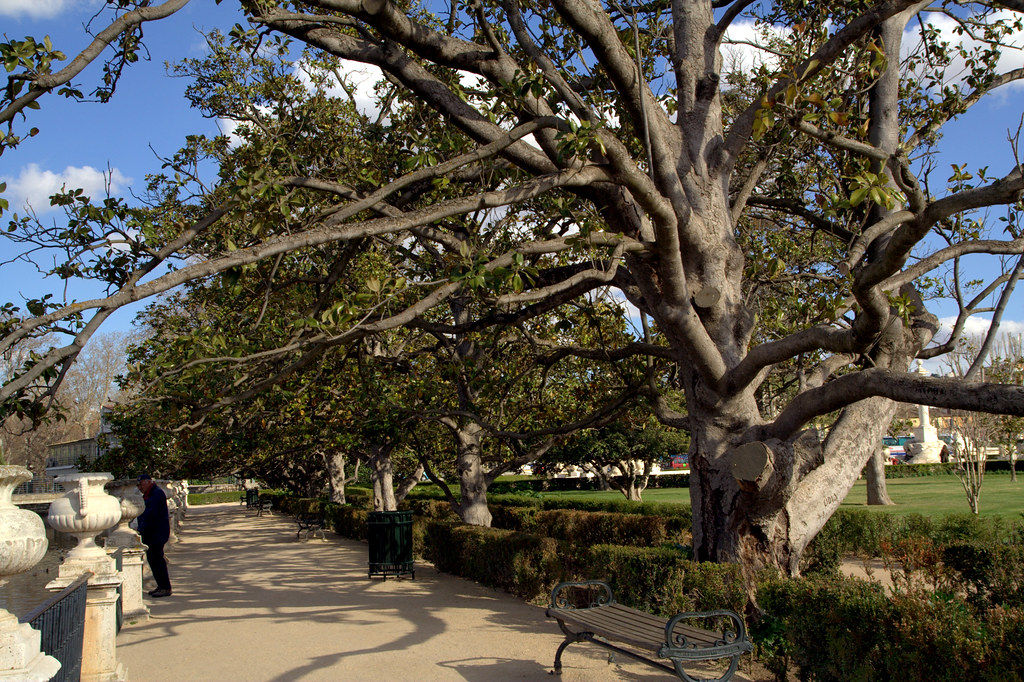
[[265, 505], [586, 611], [310, 524]]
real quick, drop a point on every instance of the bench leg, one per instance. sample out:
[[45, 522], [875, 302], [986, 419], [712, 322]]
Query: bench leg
[[570, 638], [734, 663]]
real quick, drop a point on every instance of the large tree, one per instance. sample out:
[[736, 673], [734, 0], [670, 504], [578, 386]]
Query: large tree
[[642, 163]]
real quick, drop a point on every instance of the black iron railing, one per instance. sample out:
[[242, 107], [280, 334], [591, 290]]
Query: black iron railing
[[61, 621], [119, 565]]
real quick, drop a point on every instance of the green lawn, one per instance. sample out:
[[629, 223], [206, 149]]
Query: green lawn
[[941, 495], [927, 495]]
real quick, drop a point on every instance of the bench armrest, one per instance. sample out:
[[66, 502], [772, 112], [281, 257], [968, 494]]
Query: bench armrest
[[581, 594], [677, 642]]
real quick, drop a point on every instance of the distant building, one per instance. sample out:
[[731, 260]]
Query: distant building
[[64, 458]]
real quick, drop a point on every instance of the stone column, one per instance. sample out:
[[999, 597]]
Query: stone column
[[84, 512], [22, 545], [926, 448], [172, 510], [123, 537]]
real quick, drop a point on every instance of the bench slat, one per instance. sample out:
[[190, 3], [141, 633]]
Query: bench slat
[[624, 624]]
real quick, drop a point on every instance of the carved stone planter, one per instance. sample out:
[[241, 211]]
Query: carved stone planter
[[84, 512], [22, 545], [133, 607], [126, 491]]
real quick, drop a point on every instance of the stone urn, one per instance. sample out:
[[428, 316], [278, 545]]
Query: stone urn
[[84, 512], [22, 545], [22, 533], [126, 490]]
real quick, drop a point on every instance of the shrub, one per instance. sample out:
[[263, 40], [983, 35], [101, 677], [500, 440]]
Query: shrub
[[662, 581], [847, 629], [430, 508], [514, 517], [347, 521], [525, 564], [834, 626], [584, 529], [215, 498]]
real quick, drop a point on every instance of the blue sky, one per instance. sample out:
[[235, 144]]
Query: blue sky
[[80, 143]]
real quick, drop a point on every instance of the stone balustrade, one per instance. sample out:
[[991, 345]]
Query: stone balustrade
[[93, 504]]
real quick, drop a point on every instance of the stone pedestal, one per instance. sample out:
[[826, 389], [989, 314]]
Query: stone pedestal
[[172, 510], [85, 511], [926, 448], [132, 550], [99, 645], [20, 656], [133, 607], [924, 453]]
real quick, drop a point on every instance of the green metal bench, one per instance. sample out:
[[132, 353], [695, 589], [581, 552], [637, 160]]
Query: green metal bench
[[310, 524], [586, 611]]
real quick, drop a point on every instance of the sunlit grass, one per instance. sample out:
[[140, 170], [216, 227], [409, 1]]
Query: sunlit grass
[[927, 495], [941, 495]]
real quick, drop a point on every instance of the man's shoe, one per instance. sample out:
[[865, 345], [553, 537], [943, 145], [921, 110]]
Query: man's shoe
[[156, 594]]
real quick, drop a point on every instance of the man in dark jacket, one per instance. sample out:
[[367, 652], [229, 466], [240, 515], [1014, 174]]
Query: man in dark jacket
[[155, 528]]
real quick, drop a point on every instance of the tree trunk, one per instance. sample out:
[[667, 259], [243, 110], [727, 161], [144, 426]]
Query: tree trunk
[[633, 492], [336, 475], [874, 472], [761, 503], [382, 475], [410, 482], [473, 480]]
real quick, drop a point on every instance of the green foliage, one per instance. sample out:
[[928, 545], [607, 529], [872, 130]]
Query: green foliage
[[663, 581], [525, 564], [845, 629], [347, 521], [864, 533], [215, 498], [585, 529]]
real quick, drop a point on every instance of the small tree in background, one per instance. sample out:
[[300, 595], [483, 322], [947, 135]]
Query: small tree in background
[[622, 458], [971, 431]]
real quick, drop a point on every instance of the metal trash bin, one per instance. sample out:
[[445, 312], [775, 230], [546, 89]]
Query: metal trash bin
[[389, 534]]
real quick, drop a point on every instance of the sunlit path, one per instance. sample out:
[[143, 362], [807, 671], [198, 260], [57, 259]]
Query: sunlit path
[[251, 602]]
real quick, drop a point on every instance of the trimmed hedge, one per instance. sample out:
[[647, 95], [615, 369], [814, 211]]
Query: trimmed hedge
[[529, 565], [198, 499], [543, 484], [874, 534], [849, 630], [663, 581], [525, 564], [999, 466]]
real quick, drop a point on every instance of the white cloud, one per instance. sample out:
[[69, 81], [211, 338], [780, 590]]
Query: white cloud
[[742, 38], [34, 186], [741, 52], [37, 9], [360, 78], [1011, 55], [229, 128], [976, 327]]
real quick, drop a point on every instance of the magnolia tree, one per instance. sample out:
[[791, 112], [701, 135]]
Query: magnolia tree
[[774, 221]]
